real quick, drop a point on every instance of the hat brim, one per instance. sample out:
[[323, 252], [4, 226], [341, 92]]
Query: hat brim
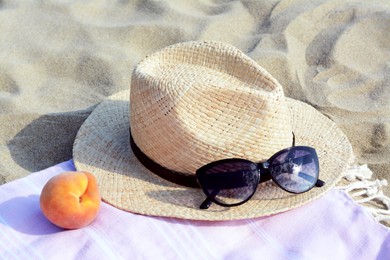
[[102, 147]]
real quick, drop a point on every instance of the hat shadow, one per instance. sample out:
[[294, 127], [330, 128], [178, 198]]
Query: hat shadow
[[23, 214], [47, 140]]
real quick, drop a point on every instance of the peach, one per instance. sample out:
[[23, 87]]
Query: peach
[[71, 200]]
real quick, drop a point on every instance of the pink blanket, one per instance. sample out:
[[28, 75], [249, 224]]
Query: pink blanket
[[332, 227]]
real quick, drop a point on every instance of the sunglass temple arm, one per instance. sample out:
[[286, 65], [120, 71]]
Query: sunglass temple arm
[[208, 201]]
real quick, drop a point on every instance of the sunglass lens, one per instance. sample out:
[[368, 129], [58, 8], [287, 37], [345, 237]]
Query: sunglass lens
[[295, 169], [229, 182]]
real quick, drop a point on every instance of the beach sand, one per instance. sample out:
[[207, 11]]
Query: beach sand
[[59, 59]]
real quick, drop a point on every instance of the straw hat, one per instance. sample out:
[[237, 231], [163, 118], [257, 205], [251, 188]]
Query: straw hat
[[190, 104]]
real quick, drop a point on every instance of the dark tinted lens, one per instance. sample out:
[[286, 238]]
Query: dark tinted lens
[[295, 169], [229, 182]]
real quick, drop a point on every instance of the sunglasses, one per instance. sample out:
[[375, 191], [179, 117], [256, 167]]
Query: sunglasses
[[232, 182]]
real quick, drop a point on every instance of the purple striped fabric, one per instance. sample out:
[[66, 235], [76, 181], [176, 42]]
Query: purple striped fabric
[[332, 227]]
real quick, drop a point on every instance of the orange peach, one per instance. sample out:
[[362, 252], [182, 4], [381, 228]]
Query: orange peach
[[71, 200]]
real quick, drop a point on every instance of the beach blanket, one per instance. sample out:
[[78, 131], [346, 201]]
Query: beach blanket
[[332, 227]]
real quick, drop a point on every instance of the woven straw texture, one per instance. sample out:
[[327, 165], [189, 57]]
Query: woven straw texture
[[197, 102], [193, 103]]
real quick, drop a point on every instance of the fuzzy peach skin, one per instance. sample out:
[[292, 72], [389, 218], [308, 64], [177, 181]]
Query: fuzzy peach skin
[[71, 200]]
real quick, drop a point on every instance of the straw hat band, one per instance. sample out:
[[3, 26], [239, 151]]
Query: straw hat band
[[179, 178], [169, 175]]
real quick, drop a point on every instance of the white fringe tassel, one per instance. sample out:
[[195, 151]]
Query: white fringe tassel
[[362, 189]]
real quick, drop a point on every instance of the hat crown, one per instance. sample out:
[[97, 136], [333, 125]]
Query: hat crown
[[196, 102]]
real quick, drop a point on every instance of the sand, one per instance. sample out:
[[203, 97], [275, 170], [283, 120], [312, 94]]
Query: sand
[[59, 59]]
